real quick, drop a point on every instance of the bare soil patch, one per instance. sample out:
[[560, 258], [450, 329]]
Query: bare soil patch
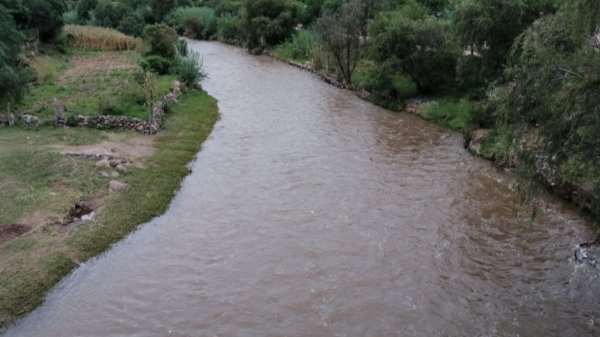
[[35, 219], [132, 148], [81, 66], [12, 231]]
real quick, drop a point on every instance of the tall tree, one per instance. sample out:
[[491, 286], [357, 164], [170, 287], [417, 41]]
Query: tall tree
[[341, 35], [11, 76]]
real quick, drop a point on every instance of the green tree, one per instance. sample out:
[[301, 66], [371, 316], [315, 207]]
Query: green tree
[[489, 27], [11, 76], [551, 86], [421, 48], [161, 39], [269, 22], [43, 16], [160, 8], [85, 9], [341, 36]]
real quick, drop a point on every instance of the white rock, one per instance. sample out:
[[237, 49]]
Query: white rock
[[116, 186]]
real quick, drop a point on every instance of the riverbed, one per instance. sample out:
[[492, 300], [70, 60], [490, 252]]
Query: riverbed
[[310, 212]]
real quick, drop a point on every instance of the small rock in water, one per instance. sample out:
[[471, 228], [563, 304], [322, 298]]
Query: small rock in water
[[116, 186], [580, 254]]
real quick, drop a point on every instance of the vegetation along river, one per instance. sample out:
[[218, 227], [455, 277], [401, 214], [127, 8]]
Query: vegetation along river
[[310, 212]]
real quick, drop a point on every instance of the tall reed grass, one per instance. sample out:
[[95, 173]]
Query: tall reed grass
[[98, 38]]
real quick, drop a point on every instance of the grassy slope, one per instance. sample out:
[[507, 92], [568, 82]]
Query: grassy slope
[[33, 263]]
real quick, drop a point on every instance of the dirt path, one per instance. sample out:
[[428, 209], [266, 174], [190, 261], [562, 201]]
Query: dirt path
[[92, 65]]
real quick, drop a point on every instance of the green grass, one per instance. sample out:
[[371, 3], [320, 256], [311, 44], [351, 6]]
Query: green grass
[[405, 86], [188, 124], [298, 48], [33, 263], [456, 114], [31, 175], [84, 93], [498, 145], [47, 68]]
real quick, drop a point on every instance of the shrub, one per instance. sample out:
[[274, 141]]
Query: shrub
[[107, 106], [72, 121], [161, 40], [300, 46], [132, 24], [156, 64], [182, 47], [194, 22], [229, 29], [189, 70], [110, 13]]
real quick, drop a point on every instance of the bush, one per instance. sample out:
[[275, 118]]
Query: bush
[[72, 121], [269, 22], [107, 106], [229, 29], [194, 22], [161, 40], [300, 46], [110, 13], [156, 64], [132, 24], [189, 70], [182, 47]]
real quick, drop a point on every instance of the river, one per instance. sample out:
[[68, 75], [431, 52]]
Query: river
[[310, 212]]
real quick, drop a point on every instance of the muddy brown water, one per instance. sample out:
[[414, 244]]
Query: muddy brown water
[[312, 213]]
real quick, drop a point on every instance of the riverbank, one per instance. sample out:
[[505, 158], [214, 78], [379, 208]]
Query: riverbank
[[493, 144], [68, 193], [34, 262]]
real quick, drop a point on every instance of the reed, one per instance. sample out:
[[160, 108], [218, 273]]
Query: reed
[[98, 38]]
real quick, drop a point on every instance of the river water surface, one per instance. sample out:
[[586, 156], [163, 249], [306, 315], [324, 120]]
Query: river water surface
[[312, 213]]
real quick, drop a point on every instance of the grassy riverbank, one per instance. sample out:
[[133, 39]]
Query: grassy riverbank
[[33, 262], [46, 175]]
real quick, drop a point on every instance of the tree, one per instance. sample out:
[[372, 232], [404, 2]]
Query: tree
[[552, 81], [160, 8], [341, 36], [85, 8], [489, 27], [44, 16], [161, 39], [422, 49], [269, 22], [11, 76]]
